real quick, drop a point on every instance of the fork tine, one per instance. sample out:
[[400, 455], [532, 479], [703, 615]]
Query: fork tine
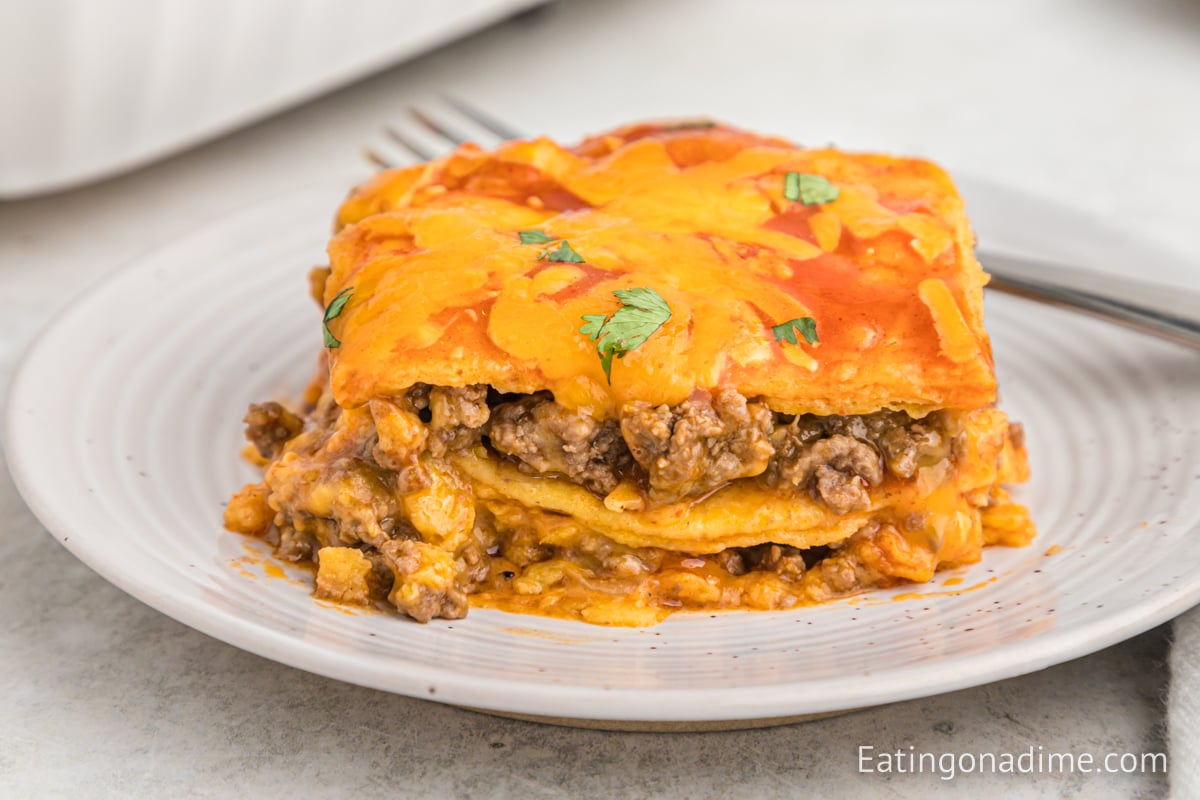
[[371, 155], [433, 126], [480, 118], [418, 151]]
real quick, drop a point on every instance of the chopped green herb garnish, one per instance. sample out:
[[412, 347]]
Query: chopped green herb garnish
[[534, 237], [811, 190], [594, 327], [564, 254], [786, 332], [791, 186], [642, 312], [332, 311]]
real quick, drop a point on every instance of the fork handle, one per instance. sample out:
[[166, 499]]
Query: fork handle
[[1168, 313]]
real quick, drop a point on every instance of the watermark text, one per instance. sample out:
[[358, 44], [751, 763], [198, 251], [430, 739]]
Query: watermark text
[[1034, 760]]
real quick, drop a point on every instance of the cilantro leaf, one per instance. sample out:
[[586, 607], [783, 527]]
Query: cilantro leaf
[[594, 326], [791, 186], [564, 254], [786, 331], [333, 311], [338, 302], [642, 313], [534, 236], [606, 358], [644, 299], [811, 190]]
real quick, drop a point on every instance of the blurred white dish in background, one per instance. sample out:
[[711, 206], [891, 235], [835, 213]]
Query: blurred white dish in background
[[90, 89]]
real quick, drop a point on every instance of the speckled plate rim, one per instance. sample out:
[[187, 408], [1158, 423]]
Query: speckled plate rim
[[565, 701]]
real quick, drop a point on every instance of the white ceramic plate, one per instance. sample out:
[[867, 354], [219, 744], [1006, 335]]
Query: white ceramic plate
[[123, 436]]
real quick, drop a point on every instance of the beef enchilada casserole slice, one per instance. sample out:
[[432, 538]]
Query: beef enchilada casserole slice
[[676, 366]]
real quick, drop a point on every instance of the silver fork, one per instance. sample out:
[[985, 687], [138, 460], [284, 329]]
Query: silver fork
[[1168, 313]]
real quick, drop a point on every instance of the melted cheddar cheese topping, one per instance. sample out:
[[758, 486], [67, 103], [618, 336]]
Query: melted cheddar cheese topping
[[445, 292]]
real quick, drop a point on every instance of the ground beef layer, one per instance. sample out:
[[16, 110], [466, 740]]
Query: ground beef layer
[[372, 498]]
